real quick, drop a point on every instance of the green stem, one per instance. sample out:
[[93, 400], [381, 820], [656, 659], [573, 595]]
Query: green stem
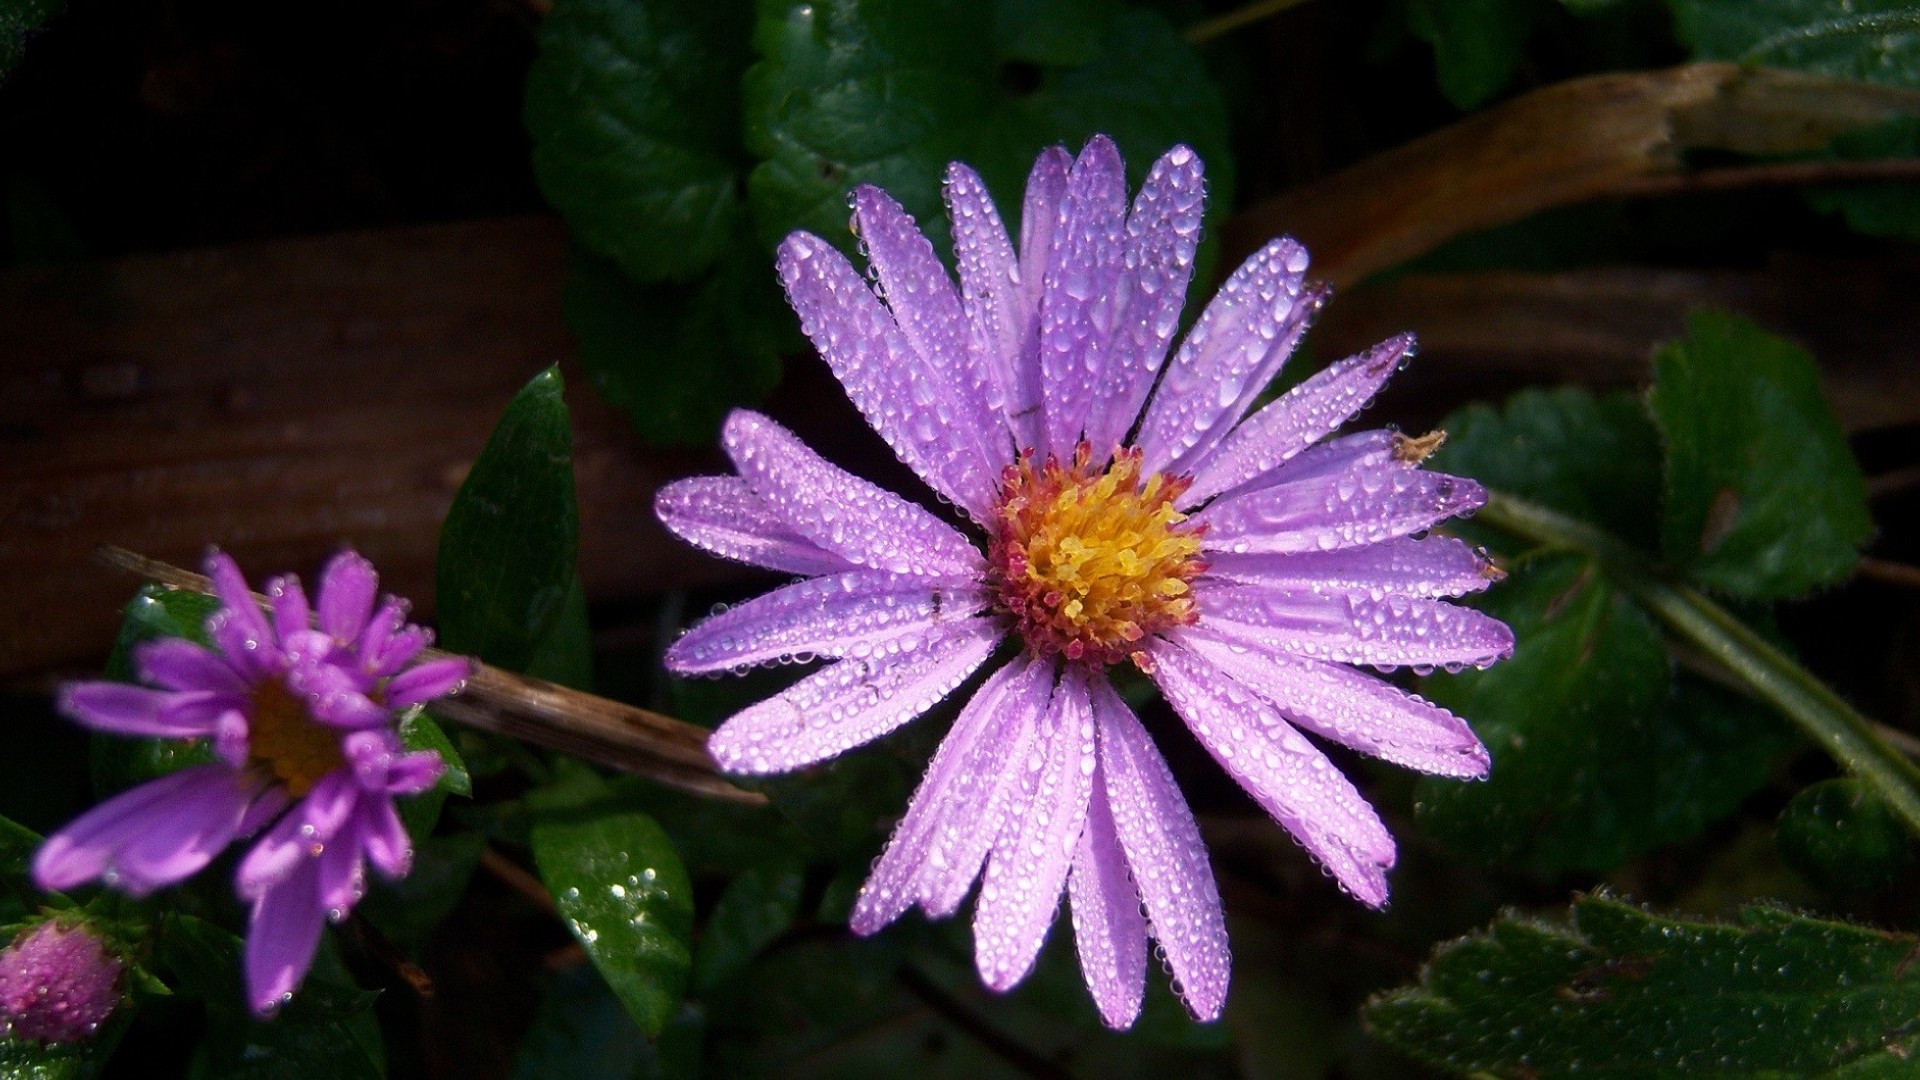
[[1766, 672], [1202, 32]]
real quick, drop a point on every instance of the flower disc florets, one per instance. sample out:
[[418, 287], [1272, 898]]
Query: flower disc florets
[[1088, 560]]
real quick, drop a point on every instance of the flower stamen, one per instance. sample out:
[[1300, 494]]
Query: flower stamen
[[285, 738]]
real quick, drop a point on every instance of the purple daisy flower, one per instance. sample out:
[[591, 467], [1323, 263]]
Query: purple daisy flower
[[58, 984], [302, 721], [1133, 513]]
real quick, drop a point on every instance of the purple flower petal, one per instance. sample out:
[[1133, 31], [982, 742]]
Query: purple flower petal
[[151, 836], [382, 766], [1229, 356], [1285, 774], [178, 664], [1303, 416], [907, 398], [288, 602], [282, 934], [383, 838], [1168, 859], [1335, 512], [1083, 296], [303, 833], [342, 877], [722, 514], [1162, 232], [840, 615], [1039, 217], [968, 824], [239, 628], [927, 308], [1355, 629], [1028, 869], [424, 682], [998, 317], [1350, 707], [852, 701], [1435, 566], [1107, 926], [961, 779], [391, 642], [347, 589], [137, 710], [864, 523]]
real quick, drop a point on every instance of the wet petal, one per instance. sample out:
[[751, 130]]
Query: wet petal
[[1166, 855], [302, 834], [859, 521], [721, 514], [288, 602], [1356, 629], [422, 683], [347, 589], [1163, 230], [834, 616], [384, 838], [138, 710], [1107, 927], [1246, 332], [239, 628], [151, 836], [178, 664], [283, 932], [990, 289], [1332, 512], [1434, 566], [1036, 846], [905, 397], [1084, 294], [961, 780], [1285, 774], [1349, 707], [852, 701], [1298, 419]]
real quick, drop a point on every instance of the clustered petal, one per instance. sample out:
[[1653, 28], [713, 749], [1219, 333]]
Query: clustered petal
[[1130, 509], [300, 705]]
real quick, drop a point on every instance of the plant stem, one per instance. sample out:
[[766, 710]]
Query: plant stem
[[1763, 670], [1202, 32]]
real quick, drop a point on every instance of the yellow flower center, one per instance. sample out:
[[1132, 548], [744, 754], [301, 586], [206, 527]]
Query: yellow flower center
[[1090, 562], [284, 737]]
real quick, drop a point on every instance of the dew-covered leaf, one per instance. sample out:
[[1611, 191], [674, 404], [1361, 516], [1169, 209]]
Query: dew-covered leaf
[[1763, 497], [634, 110], [1595, 457], [676, 357], [507, 548], [1625, 993], [1598, 754], [889, 93], [625, 895]]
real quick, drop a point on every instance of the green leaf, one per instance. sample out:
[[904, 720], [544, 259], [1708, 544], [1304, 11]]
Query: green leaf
[[1871, 40], [623, 892], [1597, 458], [1476, 44], [1763, 497], [418, 731], [675, 358], [1597, 756], [888, 92], [1625, 993], [634, 110], [409, 910], [22, 1060], [565, 656], [1888, 209], [18, 20], [754, 909], [583, 1033], [507, 548], [1842, 837]]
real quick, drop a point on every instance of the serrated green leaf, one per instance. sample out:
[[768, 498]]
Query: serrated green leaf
[[1842, 837], [1763, 497], [755, 908], [1476, 43], [1623, 993], [1596, 757], [888, 93], [1595, 457], [507, 548], [620, 886], [676, 358], [634, 110]]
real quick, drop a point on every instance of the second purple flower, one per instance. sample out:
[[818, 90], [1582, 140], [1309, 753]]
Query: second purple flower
[[1130, 510]]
